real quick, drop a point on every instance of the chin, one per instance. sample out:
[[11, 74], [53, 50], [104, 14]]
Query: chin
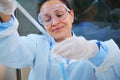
[[60, 38]]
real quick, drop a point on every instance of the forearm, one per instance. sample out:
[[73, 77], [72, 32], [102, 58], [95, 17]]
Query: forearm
[[13, 52], [11, 46]]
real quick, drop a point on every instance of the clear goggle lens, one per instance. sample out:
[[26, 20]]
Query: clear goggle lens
[[59, 12]]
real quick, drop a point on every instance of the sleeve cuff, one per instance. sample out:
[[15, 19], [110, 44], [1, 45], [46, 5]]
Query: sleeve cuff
[[100, 56], [11, 27], [7, 24]]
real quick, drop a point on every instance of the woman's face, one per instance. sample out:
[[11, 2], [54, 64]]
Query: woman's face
[[58, 27]]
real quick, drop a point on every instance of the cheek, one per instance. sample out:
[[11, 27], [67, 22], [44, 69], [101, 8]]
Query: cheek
[[48, 29], [69, 23]]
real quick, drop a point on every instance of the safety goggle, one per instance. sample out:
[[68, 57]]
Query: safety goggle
[[59, 12]]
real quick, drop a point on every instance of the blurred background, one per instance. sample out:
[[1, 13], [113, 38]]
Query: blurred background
[[94, 19], [97, 19]]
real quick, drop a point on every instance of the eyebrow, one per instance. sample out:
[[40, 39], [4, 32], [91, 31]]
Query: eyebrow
[[57, 10], [47, 15]]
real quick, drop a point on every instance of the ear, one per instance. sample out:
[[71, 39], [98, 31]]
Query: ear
[[72, 15]]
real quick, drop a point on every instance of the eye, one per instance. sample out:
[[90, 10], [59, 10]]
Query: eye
[[60, 14], [46, 18]]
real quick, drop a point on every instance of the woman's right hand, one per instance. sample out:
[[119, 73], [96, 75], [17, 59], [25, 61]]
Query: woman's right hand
[[7, 7]]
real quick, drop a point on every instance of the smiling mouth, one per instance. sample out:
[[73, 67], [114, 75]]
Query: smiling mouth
[[58, 29]]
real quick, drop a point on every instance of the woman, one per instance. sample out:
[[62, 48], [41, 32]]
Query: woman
[[34, 50]]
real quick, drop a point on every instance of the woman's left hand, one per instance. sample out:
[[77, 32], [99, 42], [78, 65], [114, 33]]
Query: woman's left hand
[[77, 48]]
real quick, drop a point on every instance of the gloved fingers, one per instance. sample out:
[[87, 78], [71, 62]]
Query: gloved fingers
[[63, 43], [7, 6], [77, 48], [69, 51], [59, 49], [68, 44], [68, 54], [71, 55], [68, 40], [82, 50]]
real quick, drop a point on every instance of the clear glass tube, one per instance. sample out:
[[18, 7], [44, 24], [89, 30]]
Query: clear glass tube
[[60, 60]]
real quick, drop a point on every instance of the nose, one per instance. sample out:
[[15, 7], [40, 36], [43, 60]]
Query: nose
[[55, 21]]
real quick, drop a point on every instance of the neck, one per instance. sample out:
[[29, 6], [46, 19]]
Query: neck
[[61, 39]]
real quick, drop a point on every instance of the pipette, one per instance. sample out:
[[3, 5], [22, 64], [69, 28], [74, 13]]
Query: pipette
[[32, 20], [61, 65]]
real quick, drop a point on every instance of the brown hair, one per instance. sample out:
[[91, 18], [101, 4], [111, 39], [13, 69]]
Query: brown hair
[[67, 3]]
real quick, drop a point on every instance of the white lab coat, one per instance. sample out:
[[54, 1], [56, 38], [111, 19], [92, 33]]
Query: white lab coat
[[34, 50]]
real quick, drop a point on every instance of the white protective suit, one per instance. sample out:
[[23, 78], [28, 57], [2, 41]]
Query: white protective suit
[[34, 50]]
